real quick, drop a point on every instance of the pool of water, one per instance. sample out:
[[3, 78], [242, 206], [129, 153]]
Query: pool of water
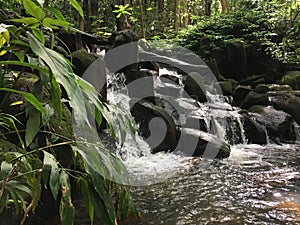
[[255, 185]]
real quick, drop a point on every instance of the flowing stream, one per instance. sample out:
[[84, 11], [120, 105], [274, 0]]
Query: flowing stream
[[257, 184]]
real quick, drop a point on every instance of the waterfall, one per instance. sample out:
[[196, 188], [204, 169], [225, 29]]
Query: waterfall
[[296, 131]]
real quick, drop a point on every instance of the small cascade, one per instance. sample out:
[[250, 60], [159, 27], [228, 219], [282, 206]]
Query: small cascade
[[297, 132], [266, 132]]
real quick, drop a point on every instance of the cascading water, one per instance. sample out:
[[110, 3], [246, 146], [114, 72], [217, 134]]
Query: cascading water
[[257, 184]]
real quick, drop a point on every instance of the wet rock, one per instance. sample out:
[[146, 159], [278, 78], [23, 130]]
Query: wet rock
[[195, 88], [198, 143], [155, 125], [254, 98], [240, 93], [254, 132], [122, 37], [81, 60], [149, 65], [292, 78], [288, 103], [196, 122], [125, 57], [168, 89], [170, 78], [277, 122], [226, 87], [140, 85], [254, 80], [264, 88]]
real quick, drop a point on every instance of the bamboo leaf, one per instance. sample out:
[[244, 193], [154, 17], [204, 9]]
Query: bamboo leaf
[[39, 35], [76, 5], [56, 13], [56, 97], [27, 20], [33, 10], [29, 65], [29, 98], [48, 22], [66, 209], [64, 75], [50, 163], [32, 126]]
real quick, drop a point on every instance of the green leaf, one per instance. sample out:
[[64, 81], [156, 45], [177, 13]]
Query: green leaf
[[56, 13], [39, 35], [4, 38], [99, 205], [27, 20], [84, 187], [5, 168], [29, 98], [64, 75], [32, 66], [56, 97], [76, 5], [20, 55], [33, 10], [51, 23], [32, 125], [50, 163], [103, 192], [66, 209]]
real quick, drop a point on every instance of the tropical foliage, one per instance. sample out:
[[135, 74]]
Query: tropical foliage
[[37, 151], [269, 26]]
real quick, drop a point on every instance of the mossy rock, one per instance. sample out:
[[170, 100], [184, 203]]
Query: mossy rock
[[193, 87], [155, 125], [199, 143], [226, 87], [81, 60], [292, 78], [264, 88]]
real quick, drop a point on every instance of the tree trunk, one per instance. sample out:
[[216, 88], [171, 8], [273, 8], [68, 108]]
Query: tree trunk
[[160, 5], [208, 4], [185, 19], [224, 5], [87, 14], [177, 15]]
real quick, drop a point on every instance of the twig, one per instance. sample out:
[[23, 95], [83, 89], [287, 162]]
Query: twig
[[12, 170], [36, 194]]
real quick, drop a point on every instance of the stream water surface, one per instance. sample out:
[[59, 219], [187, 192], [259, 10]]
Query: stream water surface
[[257, 184]]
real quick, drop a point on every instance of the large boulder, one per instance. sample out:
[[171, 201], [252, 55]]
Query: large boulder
[[277, 122], [194, 87], [288, 103], [292, 78], [240, 93], [81, 60], [264, 88], [254, 98], [254, 132], [125, 57], [198, 143], [155, 125], [253, 80], [226, 87], [136, 79]]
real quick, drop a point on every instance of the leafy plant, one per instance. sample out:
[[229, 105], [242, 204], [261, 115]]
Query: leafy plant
[[34, 160], [263, 24], [122, 10]]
